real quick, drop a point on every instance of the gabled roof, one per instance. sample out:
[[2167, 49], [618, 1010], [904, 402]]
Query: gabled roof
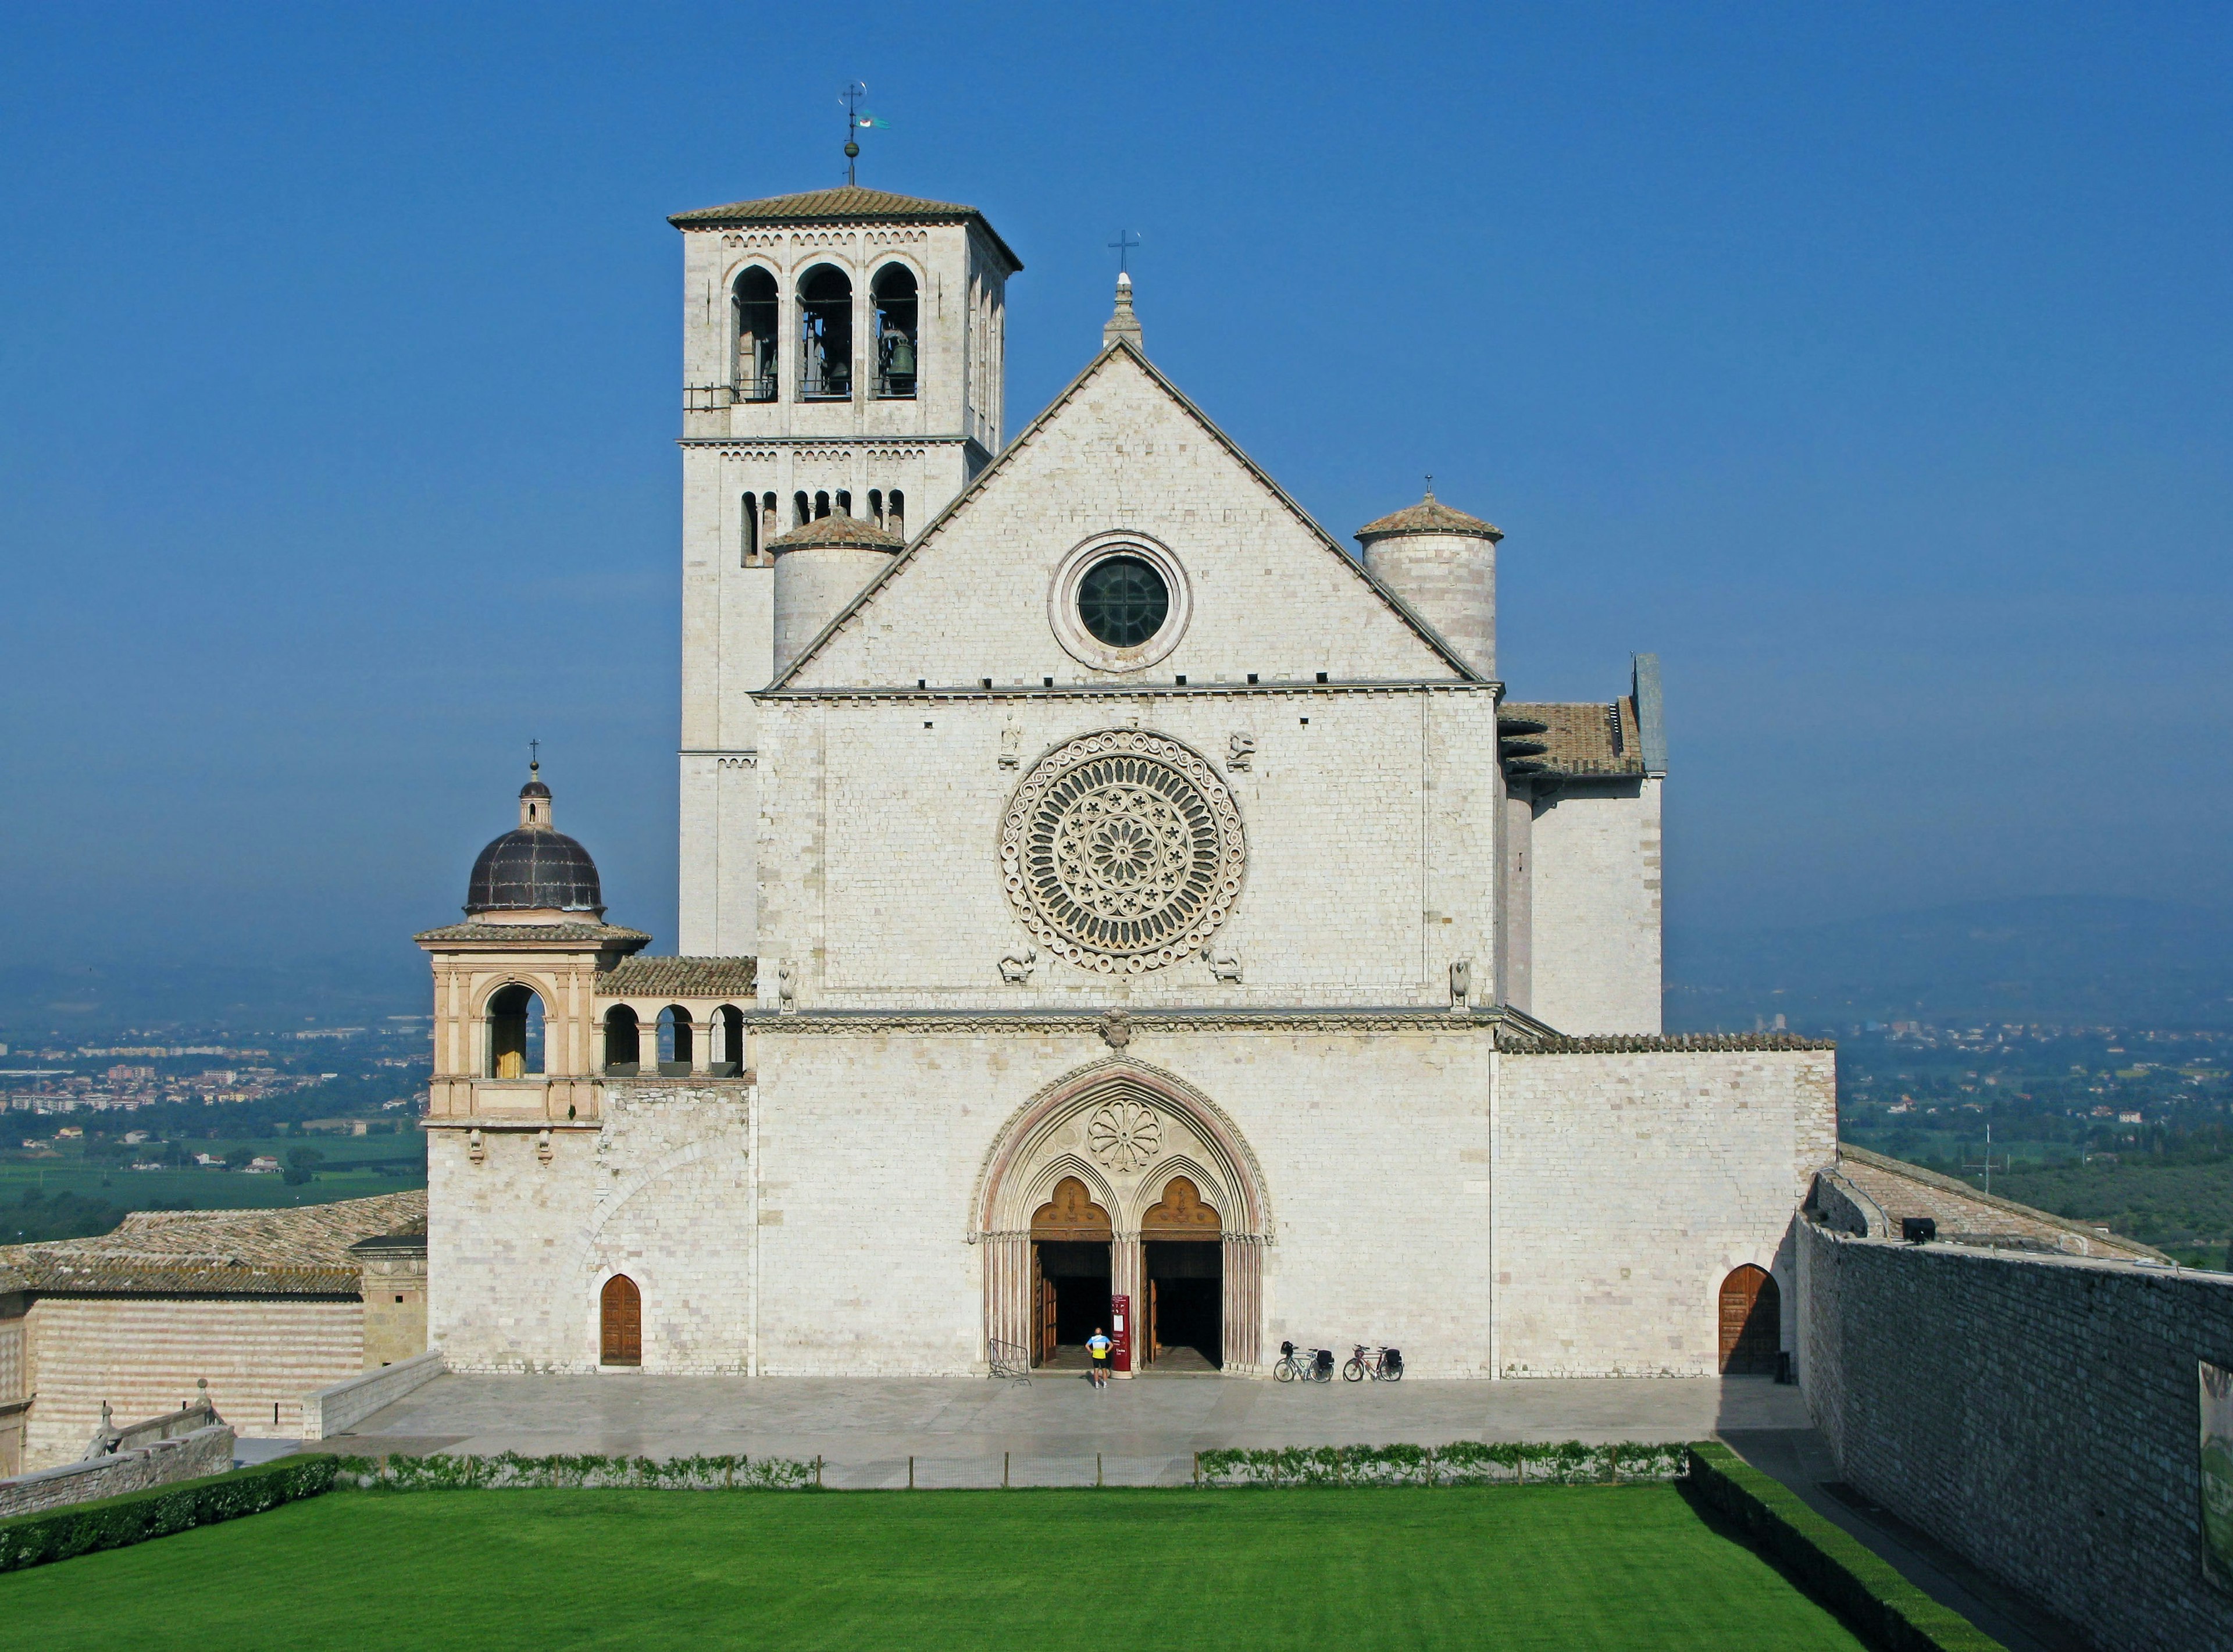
[[846, 204], [1024, 439]]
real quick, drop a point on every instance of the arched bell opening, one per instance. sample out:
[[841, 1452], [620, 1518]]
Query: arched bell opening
[[894, 290], [623, 1043], [1751, 1323], [1072, 1241], [515, 1033], [675, 1041], [825, 336], [753, 306], [1181, 1242]]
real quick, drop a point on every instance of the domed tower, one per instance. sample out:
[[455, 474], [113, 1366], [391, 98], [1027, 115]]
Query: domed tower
[[516, 1025], [535, 873], [819, 568], [1443, 564]]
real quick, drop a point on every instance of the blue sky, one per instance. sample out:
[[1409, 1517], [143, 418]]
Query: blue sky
[[1868, 364]]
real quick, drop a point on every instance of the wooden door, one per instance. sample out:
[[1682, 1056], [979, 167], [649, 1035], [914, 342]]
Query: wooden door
[[1043, 1317], [1155, 1326], [1752, 1322], [621, 1317]]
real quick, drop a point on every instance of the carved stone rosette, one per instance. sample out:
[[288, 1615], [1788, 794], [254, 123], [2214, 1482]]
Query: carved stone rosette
[[1123, 852]]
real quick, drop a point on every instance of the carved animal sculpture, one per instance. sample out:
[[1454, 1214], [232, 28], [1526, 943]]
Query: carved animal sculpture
[[1224, 965], [1016, 967]]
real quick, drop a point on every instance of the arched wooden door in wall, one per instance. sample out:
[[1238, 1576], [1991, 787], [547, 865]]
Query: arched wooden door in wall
[[1070, 1241], [619, 1316], [1752, 1322]]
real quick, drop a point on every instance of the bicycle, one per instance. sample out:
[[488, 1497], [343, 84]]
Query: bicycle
[[1304, 1365], [1381, 1364]]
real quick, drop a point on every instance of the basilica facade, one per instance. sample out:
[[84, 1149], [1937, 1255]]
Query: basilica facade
[[1107, 901]]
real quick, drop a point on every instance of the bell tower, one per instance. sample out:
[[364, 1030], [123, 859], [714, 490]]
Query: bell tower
[[843, 355]]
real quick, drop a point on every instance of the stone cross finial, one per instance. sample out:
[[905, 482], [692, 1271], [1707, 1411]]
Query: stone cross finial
[[1123, 323]]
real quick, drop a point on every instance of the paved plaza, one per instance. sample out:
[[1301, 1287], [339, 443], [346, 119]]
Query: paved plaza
[[1145, 1430]]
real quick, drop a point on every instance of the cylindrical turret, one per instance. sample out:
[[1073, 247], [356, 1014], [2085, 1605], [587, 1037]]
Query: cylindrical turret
[[1443, 564], [819, 569]]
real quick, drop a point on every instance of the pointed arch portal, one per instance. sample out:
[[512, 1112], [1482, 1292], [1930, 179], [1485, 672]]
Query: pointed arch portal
[[1122, 1179]]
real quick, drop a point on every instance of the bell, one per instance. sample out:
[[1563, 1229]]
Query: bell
[[901, 361]]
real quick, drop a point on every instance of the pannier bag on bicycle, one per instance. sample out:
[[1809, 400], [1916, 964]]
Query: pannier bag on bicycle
[[1391, 1361], [1323, 1364]]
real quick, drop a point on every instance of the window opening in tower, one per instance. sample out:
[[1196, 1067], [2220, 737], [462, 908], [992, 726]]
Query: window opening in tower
[[895, 290], [825, 336], [755, 308]]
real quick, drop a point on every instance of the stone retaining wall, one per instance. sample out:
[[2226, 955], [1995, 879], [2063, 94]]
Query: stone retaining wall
[[2037, 1414], [340, 1407], [205, 1451]]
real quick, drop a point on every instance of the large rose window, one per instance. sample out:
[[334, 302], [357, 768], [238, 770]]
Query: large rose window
[[1122, 851]]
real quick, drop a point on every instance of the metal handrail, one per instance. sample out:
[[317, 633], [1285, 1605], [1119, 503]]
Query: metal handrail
[[1010, 1362], [711, 398], [896, 386]]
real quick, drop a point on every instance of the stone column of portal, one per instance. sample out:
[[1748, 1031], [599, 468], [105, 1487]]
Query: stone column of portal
[[1127, 1276], [1008, 1306], [1243, 1308]]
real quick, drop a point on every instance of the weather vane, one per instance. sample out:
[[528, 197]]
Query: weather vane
[[1122, 246], [856, 121]]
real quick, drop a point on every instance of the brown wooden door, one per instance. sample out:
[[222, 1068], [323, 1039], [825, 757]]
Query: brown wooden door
[[1155, 1326], [620, 1316], [1042, 1331], [1752, 1322]]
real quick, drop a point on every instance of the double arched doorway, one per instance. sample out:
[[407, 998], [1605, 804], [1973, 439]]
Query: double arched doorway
[[1123, 1184], [1178, 1325]]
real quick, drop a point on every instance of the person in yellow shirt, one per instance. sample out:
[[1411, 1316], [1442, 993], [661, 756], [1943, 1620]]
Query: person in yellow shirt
[[1099, 1345]]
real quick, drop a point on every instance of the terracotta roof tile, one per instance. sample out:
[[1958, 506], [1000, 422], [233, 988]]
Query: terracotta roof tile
[[836, 529], [1430, 514], [681, 977], [1569, 740], [610, 934], [846, 204], [302, 1249]]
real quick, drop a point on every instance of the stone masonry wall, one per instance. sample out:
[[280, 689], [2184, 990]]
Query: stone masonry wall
[[518, 1249], [1594, 909], [1368, 819], [2037, 1414], [143, 1355], [205, 1451], [1628, 1186]]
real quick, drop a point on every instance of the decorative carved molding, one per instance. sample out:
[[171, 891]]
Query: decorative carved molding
[[1115, 1029], [1071, 1215], [1124, 1136], [1122, 851], [1180, 1213]]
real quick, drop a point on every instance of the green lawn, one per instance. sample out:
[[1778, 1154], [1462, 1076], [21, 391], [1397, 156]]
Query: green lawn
[[1552, 1567]]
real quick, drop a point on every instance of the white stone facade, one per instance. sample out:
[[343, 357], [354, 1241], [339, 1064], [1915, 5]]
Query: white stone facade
[[1238, 929]]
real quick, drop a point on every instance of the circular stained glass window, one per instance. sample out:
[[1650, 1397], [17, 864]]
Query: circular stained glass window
[[1122, 602]]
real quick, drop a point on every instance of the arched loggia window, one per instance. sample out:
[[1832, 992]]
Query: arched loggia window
[[825, 336], [674, 1040], [753, 307], [895, 292], [515, 1033], [727, 1052], [623, 1042]]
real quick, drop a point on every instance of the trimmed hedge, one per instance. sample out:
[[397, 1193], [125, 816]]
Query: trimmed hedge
[[1466, 1462], [508, 1471], [117, 1522], [1889, 1612]]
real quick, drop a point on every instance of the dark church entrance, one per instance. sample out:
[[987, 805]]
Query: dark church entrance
[[1184, 1325], [1070, 1239]]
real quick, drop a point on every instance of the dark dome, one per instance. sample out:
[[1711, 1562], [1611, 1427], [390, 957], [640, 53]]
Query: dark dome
[[534, 867]]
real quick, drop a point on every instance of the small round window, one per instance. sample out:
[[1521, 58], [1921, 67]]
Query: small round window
[[1122, 602]]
